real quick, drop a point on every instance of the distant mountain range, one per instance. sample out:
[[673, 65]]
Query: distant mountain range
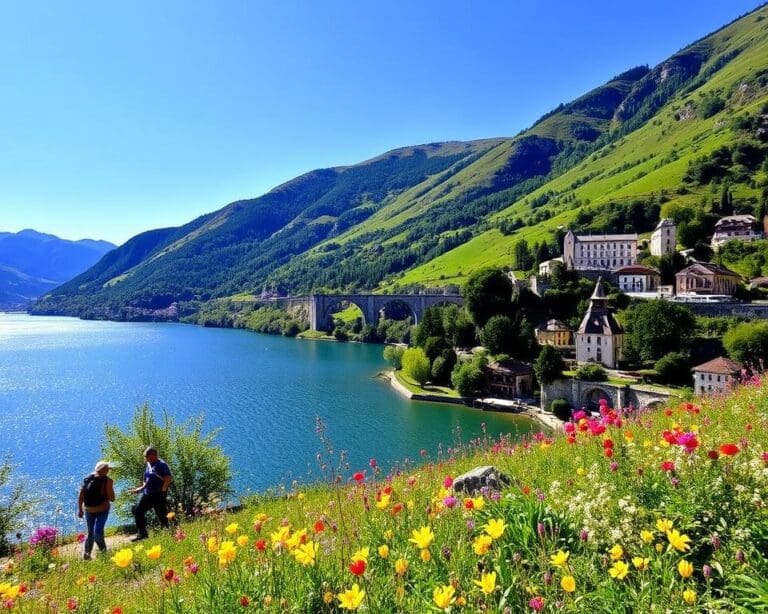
[[33, 263], [650, 139]]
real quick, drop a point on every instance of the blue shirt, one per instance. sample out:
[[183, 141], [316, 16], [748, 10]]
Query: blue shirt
[[153, 476]]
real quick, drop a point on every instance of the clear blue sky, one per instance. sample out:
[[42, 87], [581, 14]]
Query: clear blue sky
[[116, 118]]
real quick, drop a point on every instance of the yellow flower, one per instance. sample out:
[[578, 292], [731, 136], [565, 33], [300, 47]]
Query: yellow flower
[[619, 570], [352, 598], [629, 437], [212, 544], [495, 527], [242, 541], [422, 537], [664, 525], [260, 518], [383, 551], [560, 558], [581, 471], [425, 555], [616, 552], [327, 597], [640, 562], [401, 566], [677, 541], [154, 552], [689, 596], [646, 536], [296, 539], [362, 554], [171, 515], [281, 535], [659, 548], [685, 569], [460, 601], [389, 534], [568, 584], [647, 443], [306, 553], [478, 502], [410, 505], [383, 502], [227, 552], [487, 582], [482, 544], [444, 596], [123, 558], [9, 591], [232, 528], [300, 495]]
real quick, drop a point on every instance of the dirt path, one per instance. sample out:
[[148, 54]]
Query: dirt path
[[75, 549]]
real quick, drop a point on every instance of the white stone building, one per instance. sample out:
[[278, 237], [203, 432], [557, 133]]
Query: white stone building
[[716, 376], [599, 252], [545, 268], [664, 238], [638, 279], [600, 338]]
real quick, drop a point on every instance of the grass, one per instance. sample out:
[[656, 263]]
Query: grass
[[414, 387], [660, 512]]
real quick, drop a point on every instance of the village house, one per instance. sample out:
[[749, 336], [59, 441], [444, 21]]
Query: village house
[[706, 278], [716, 376], [638, 279], [735, 228], [545, 268], [599, 252], [510, 379], [664, 238], [600, 338], [555, 333]]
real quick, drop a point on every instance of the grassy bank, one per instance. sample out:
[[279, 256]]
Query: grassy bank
[[662, 512]]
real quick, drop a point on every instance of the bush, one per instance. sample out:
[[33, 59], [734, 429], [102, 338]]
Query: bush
[[747, 342], [394, 356], [561, 409], [200, 468], [443, 366], [470, 378], [14, 503], [340, 334], [591, 373], [674, 368], [416, 365]]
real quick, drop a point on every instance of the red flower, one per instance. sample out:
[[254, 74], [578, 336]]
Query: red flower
[[169, 575], [72, 604], [448, 481], [607, 443], [526, 490], [397, 508], [358, 476], [571, 439], [608, 452], [713, 454], [667, 466], [387, 490], [357, 567], [260, 544], [80, 538], [245, 601], [319, 526], [729, 449], [117, 610], [469, 504], [372, 463]]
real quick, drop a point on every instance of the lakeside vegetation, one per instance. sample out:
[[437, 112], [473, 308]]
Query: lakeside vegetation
[[660, 511]]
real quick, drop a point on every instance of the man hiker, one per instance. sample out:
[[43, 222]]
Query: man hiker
[[154, 493], [96, 493]]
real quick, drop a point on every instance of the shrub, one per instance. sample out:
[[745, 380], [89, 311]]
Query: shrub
[[561, 409], [394, 356], [747, 342], [14, 503], [674, 368], [470, 378], [549, 365], [592, 373], [416, 365], [443, 366], [200, 468]]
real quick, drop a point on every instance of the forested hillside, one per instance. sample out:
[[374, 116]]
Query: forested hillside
[[685, 137]]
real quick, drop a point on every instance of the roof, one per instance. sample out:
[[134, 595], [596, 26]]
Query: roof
[[636, 269], [758, 282], [583, 238], [599, 321], [708, 268], [554, 325], [511, 366], [665, 222], [736, 219], [599, 292], [721, 364]]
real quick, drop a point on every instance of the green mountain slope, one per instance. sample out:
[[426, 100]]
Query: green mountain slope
[[432, 213]]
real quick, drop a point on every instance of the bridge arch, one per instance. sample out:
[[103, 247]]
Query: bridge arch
[[397, 307], [336, 304], [592, 396], [653, 404]]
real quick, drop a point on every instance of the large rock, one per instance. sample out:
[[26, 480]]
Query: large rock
[[487, 477]]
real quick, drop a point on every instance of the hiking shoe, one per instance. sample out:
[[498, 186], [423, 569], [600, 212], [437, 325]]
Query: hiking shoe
[[137, 538]]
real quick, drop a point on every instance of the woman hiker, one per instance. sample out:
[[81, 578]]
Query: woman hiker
[[96, 494]]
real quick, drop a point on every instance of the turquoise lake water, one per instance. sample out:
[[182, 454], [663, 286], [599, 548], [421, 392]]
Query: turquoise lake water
[[62, 379]]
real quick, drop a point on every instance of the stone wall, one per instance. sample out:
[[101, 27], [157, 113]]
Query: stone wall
[[578, 393]]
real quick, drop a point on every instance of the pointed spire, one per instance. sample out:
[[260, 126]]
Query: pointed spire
[[599, 292]]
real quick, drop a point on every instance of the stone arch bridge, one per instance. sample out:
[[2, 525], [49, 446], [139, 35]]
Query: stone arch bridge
[[584, 394]]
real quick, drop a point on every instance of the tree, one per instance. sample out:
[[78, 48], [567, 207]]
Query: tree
[[523, 256], [674, 368], [747, 342], [431, 325], [443, 366], [498, 335], [14, 504], [394, 356], [658, 327], [591, 372], [487, 293], [200, 468], [434, 346], [470, 378], [416, 365], [549, 365]]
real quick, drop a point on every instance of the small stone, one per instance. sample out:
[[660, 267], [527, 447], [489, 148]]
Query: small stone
[[487, 477]]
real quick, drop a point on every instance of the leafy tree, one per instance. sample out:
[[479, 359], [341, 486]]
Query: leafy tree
[[674, 368], [443, 366], [549, 365], [498, 335], [470, 378], [200, 468], [434, 346], [487, 293], [658, 327], [416, 365], [523, 257], [561, 409], [431, 325], [747, 342], [15, 502], [592, 372], [394, 356], [464, 333]]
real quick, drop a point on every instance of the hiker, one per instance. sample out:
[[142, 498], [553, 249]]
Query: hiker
[[96, 494], [154, 493]]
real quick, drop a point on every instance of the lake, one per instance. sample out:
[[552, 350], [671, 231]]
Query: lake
[[63, 379]]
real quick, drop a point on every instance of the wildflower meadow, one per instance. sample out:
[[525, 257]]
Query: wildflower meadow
[[661, 511]]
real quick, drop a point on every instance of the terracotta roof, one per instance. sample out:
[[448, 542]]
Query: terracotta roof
[[636, 269], [721, 364], [712, 268]]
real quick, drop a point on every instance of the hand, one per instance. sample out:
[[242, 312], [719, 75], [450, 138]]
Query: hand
[[79, 513]]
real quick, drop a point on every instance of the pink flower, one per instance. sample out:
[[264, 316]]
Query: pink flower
[[80, 538], [448, 481], [372, 463], [450, 502], [536, 604]]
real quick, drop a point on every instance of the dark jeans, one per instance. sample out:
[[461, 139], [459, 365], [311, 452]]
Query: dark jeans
[[156, 501], [95, 522]]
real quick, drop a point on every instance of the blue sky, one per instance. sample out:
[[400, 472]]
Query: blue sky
[[116, 118]]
